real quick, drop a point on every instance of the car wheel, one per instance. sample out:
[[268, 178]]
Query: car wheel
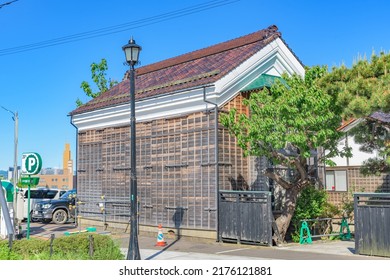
[[60, 216], [34, 220]]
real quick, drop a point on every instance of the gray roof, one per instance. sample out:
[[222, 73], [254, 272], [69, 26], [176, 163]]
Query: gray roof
[[381, 117]]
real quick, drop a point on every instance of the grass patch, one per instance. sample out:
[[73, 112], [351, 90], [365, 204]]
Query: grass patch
[[74, 247]]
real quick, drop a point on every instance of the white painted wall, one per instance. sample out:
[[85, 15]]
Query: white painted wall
[[357, 156]]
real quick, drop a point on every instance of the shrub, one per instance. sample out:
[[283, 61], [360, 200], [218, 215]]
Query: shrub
[[6, 254], [26, 248], [312, 203], [347, 204], [74, 247]]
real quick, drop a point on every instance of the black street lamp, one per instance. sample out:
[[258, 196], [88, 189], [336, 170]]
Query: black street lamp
[[132, 51]]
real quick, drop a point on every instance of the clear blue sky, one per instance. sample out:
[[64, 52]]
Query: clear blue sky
[[42, 85]]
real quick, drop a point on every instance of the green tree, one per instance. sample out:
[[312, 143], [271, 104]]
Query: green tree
[[286, 124], [98, 71], [363, 89], [374, 138]]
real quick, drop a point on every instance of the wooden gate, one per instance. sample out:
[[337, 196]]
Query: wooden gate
[[372, 224], [245, 217]]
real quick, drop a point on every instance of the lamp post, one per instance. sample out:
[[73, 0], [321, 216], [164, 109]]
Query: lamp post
[[132, 51], [15, 117]]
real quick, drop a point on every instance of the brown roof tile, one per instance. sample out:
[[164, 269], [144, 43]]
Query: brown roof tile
[[193, 69]]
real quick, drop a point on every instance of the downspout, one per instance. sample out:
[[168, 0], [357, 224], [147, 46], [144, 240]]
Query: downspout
[[216, 157], [76, 220], [77, 152], [347, 145]]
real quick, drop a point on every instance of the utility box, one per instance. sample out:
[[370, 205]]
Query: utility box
[[20, 205]]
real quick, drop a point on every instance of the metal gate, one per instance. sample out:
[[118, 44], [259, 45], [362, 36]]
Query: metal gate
[[372, 224], [245, 217]]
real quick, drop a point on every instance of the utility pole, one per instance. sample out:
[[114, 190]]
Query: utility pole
[[15, 118]]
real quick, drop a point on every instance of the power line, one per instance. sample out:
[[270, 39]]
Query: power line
[[118, 28], [7, 3]]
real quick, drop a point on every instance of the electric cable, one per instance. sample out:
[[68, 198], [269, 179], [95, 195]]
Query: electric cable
[[118, 28]]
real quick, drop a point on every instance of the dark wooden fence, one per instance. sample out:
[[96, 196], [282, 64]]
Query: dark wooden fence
[[245, 217], [372, 224]]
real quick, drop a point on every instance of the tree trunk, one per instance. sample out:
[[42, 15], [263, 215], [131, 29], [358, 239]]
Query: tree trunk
[[283, 221]]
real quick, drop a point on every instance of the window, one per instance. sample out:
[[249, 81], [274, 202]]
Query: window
[[50, 194], [34, 194], [336, 180], [41, 194]]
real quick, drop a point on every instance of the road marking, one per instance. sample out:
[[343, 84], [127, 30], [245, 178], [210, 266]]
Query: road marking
[[229, 251]]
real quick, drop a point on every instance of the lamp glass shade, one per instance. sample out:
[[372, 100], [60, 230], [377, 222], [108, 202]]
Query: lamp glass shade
[[132, 51]]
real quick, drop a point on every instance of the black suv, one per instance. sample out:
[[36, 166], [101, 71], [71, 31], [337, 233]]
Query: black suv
[[57, 210]]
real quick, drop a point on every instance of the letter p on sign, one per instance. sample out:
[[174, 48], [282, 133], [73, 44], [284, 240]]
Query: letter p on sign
[[31, 163]]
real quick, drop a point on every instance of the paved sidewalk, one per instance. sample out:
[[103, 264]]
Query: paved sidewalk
[[187, 249], [206, 249], [336, 247]]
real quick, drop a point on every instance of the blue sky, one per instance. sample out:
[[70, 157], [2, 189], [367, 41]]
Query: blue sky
[[42, 85]]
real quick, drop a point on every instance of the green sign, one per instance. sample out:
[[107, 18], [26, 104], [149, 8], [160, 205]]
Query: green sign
[[31, 163], [29, 181]]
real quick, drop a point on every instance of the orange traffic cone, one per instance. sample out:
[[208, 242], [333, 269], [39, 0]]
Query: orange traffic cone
[[160, 237]]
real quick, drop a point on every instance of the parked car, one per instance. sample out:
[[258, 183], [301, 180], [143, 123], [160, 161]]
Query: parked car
[[37, 195], [57, 210]]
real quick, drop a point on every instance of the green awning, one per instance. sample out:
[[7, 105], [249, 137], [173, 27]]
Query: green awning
[[264, 80], [9, 188]]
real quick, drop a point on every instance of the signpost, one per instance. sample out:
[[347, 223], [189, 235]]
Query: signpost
[[31, 165]]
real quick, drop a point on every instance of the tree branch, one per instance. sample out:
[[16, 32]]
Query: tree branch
[[281, 157], [301, 168], [278, 179]]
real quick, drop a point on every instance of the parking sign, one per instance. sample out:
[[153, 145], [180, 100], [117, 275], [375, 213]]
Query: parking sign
[[31, 163]]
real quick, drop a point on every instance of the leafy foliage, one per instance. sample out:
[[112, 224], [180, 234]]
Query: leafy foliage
[[286, 124], [312, 203], [98, 71], [373, 138], [74, 247], [362, 90], [6, 254]]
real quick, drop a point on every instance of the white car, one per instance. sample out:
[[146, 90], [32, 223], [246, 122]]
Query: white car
[[37, 195]]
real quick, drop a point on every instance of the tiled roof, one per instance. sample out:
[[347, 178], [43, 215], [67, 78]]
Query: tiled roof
[[193, 69], [381, 117], [346, 123]]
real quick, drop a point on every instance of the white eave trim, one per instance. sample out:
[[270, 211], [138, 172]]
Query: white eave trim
[[158, 107], [273, 59]]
